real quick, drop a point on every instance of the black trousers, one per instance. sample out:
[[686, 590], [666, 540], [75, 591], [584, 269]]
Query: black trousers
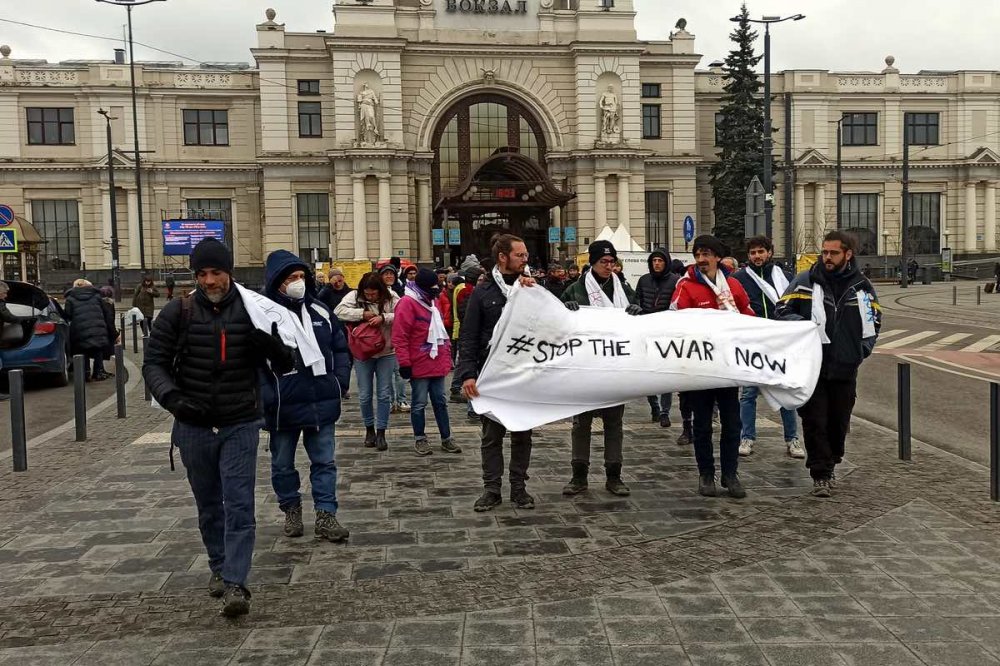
[[613, 435], [492, 455], [685, 404], [703, 405], [826, 419]]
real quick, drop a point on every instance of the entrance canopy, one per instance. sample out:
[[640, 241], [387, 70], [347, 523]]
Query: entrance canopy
[[506, 179]]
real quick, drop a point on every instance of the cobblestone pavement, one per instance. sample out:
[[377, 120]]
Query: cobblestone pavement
[[100, 559]]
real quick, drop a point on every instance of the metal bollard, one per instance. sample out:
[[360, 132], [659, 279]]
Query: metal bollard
[[146, 395], [979, 294], [903, 409], [120, 380], [80, 396], [995, 441], [19, 440], [135, 335], [954, 295], [121, 331]]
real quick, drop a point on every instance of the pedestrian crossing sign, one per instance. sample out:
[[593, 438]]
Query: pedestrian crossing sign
[[8, 241]]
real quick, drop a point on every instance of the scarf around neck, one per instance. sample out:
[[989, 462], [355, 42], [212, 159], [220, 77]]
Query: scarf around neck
[[720, 287], [437, 334], [775, 292], [505, 289], [598, 298]]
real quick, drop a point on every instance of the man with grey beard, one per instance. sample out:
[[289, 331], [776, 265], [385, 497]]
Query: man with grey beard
[[202, 364]]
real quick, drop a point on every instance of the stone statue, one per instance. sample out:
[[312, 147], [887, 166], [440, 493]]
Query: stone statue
[[610, 116], [368, 128]]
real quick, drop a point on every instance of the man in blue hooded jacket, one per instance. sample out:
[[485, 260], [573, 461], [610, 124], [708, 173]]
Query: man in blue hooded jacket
[[305, 401]]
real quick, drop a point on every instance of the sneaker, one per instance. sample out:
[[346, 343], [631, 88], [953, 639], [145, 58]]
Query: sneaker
[[665, 421], [487, 501], [706, 485], [448, 446], [404, 406], [521, 499], [293, 522], [328, 528], [821, 488], [216, 586], [733, 485], [421, 447], [746, 447], [833, 480], [236, 601], [795, 448]]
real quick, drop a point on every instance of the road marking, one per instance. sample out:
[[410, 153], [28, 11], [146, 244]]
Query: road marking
[[985, 343], [888, 334], [940, 369], [908, 340], [945, 341], [965, 367]]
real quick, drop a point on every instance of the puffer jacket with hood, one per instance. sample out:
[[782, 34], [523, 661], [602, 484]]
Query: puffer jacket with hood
[[300, 399], [88, 326], [655, 290]]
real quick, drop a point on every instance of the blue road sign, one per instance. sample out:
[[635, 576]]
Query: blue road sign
[[688, 229], [437, 236], [454, 237], [569, 234], [553, 234], [6, 216], [8, 241]]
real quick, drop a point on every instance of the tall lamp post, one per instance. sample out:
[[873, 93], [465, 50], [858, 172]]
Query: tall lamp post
[[768, 141], [128, 5], [115, 264]]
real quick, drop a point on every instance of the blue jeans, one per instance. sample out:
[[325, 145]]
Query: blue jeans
[[398, 383], [221, 466], [434, 387], [319, 445], [748, 416], [375, 372]]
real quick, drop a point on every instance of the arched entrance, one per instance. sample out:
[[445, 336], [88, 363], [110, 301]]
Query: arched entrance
[[489, 175]]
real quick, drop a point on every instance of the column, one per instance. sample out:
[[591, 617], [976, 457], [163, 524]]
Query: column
[[970, 217], [819, 214], [133, 228], [557, 223], [384, 217], [990, 219], [624, 207], [600, 204], [360, 224], [799, 237], [424, 248]]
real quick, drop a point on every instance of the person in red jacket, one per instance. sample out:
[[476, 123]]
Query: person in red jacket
[[707, 285]]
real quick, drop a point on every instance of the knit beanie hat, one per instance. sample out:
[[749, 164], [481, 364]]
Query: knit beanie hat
[[426, 279], [600, 249], [210, 253], [711, 243]]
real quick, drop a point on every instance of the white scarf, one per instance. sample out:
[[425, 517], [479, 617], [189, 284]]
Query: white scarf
[[864, 305], [780, 283], [437, 334], [723, 294], [505, 289], [263, 312], [598, 298]]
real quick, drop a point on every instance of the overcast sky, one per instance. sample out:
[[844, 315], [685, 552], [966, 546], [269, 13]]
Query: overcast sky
[[836, 34]]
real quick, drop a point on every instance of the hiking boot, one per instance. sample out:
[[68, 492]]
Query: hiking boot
[[236, 601], [833, 480], [458, 397], [328, 528], [706, 485], [746, 447], [293, 522], [733, 485], [369, 437], [421, 447], [795, 448], [449, 446], [216, 586], [665, 420], [614, 484], [380, 443], [487, 501], [578, 483], [821, 488], [685, 437], [521, 499]]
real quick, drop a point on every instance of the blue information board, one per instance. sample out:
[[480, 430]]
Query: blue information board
[[454, 237], [180, 236], [569, 234], [437, 236], [553, 234]]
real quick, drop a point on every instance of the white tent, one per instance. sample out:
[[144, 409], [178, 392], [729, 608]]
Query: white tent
[[620, 238]]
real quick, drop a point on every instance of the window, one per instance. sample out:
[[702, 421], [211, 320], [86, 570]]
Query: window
[[58, 222], [313, 215], [651, 90], [859, 215], [206, 127], [718, 127], [859, 129], [49, 126], [210, 209], [657, 218], [650, 121], [310, 119], [923, 223], [308, 86], [923, 128]]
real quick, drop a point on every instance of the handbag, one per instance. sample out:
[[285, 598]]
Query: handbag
[[365, 341]]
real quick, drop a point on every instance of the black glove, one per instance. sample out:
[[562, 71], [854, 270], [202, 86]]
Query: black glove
[[273, 348], [405, 372], [633, 310], [572, 306], [184, 409]]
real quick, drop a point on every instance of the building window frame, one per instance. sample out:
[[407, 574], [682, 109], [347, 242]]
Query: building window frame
[[859, 215], [859, 128], [651, 91], [657, 218], [651, 120], [58, 223], [310, 120], [924, 127], [312, 216], [308, 87], [51, 126], [924, 213], [206, 127]]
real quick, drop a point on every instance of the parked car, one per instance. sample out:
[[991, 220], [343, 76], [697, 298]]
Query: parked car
[[39, 347]]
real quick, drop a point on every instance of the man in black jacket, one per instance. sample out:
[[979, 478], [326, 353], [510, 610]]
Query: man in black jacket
[[838, 298], [555, 280], [202, 364], [654, 292], [335, 289], [481, 316]]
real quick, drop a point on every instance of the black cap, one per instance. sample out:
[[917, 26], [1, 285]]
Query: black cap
[[600, 249], [210, 253]]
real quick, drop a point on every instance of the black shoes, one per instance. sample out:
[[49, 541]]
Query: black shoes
[[216, 586], [706, 485], [665, 421], [578, 483], [685, 436], [236, 601], [521, 499], [487, 501], [380, 443], [733, 485], [654, 415], [369, 437], [614, 484]]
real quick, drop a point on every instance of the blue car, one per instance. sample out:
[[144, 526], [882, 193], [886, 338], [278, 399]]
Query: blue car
[[39, 346]]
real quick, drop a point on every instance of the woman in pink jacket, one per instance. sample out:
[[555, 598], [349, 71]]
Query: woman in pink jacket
[[423, 349]]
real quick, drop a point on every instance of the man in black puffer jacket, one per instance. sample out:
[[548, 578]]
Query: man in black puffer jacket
[[201, 364], [89, 327], [654, 292]]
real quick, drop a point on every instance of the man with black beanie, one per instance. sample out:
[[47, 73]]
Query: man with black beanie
[[201, 364]]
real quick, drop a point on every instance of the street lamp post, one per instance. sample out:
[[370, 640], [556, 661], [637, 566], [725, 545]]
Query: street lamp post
[[115, 263], [768, 141], [128, 5]]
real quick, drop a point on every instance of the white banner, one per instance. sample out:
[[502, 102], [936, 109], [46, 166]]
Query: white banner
[[547, 363]]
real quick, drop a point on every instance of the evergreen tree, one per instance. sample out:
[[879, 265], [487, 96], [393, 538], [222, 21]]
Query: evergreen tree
[[740, 135]]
